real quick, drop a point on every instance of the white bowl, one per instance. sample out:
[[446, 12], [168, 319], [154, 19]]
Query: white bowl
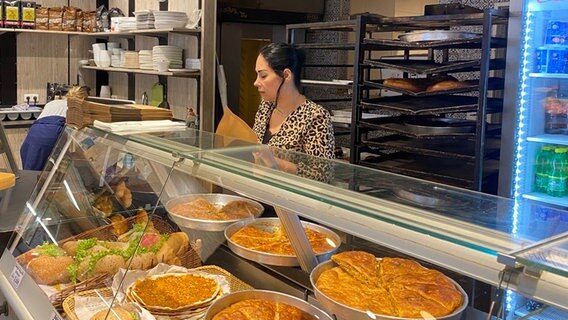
[[13, 116]]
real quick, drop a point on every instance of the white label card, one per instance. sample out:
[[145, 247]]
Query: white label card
[[55, 316], [16, 276]]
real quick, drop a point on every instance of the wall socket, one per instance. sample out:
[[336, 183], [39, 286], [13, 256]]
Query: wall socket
[[31, 97]]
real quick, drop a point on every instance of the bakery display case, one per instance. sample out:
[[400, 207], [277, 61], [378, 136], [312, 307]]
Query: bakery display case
[[110, 216]]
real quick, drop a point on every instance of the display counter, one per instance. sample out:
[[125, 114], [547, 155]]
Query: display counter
[[83, 189]]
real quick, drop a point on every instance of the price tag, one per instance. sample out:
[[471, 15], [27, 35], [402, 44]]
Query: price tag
[[55, 316], [16, 276]]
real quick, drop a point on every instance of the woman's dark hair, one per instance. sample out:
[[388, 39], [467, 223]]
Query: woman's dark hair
[[283, 55]]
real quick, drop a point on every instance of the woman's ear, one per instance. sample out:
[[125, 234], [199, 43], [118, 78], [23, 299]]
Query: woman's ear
[[287, 74]]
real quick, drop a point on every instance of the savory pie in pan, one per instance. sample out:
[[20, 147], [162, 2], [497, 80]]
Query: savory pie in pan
[[388, 286], [276, 242], [259, 309], [173, 292]]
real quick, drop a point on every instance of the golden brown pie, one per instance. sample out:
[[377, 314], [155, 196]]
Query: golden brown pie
[[339, 285], [173, 291], [258, 309], [390, 268], [360, 265], [277, 242], [391, 286], [201, 208]]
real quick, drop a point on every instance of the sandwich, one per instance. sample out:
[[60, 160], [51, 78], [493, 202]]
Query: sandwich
[[115, 313]]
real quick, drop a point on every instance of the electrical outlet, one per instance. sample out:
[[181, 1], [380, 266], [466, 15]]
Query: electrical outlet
[[32, 98]]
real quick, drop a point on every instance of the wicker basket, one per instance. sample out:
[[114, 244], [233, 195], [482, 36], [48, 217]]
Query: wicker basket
[[189, 259], [69, 303]]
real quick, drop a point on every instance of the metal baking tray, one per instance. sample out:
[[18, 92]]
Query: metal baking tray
[[345, 312], [431, 104], [467, 87], [218, 200], [437, 126], [454, 172], [388, 44], [270, 224], [437, 35], [432, 67], [436, 147], [237, 296]]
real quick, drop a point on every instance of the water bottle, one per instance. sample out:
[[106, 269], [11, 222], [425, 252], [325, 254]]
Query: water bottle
[[557, 176], [541, 168]]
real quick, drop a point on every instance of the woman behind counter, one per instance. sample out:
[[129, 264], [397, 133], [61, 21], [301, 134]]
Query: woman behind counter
[[45, 131], [286, 119]]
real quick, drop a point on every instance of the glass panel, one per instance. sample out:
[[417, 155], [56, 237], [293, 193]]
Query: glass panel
[[551, 256], [521, 307], [179, 141], [97, 210], [364, 191]]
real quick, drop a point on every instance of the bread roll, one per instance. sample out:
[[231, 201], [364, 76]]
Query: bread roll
[[116, 313], [70, 247], [177, 244], [412, 85], [108, 264], [50, 270], [143, 261], [445, 85]]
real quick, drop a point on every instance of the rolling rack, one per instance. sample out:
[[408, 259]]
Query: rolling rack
[[467, 159]]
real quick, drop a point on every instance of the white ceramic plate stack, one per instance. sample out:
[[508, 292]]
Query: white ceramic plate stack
[[144, 19], [172, 54], [130, 60], [170, 19], [127, 24], [145, 59]]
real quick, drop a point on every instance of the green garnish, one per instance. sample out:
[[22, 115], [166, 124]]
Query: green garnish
[[73, 269], [50, 249], [82, 248]]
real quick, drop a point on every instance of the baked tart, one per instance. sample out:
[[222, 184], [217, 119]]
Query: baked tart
[[259, 309], [388, 286]]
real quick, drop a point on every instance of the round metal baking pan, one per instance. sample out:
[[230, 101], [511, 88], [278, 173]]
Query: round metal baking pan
[[270, 225], [237, 296], [439, 126], [218, 200], [423, 198], [345, 312], [437, 35]]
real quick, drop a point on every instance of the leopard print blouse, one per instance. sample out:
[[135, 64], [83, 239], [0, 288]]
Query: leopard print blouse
[[307, 129]]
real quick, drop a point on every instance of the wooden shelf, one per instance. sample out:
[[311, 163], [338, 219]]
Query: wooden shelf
[[186, 74], [145, 32]]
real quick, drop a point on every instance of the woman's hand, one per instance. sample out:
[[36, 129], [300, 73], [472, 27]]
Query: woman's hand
[[267, 159]]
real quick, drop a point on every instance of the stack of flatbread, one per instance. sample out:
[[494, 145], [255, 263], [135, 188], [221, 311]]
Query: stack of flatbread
[[175, 295], [389, 286]]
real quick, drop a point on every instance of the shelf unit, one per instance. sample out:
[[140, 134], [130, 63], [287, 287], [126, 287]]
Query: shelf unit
[[299, 34], [206, 43], [186, 74], [460, 159]]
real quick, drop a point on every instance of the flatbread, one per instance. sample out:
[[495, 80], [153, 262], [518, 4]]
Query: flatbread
[[174, 291]]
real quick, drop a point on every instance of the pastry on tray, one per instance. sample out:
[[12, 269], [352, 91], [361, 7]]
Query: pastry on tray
[[388, 286]]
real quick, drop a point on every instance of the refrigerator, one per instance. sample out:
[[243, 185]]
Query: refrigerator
[[534, 150]]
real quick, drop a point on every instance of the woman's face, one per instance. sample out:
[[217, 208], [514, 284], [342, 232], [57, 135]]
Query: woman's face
[[267, 81]]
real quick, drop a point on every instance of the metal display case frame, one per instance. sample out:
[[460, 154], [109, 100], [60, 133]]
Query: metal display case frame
[[465, 232]]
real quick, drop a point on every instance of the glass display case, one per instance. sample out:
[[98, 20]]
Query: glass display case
[[113, 198]]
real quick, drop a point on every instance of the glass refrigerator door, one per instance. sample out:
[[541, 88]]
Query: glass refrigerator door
[[540, 169]]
